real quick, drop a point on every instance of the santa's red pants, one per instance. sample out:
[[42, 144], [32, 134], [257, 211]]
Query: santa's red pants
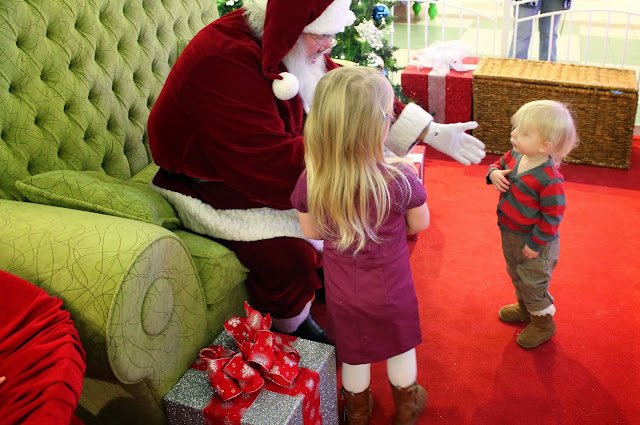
[[283, 274]]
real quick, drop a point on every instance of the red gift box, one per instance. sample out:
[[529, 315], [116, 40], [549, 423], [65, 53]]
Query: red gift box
[[446, 97]]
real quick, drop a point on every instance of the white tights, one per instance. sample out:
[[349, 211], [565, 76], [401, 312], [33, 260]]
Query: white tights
[[402, 371]]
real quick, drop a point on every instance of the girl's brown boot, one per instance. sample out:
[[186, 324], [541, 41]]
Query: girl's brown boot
[[410, 402], [357, 406], [514, 313]]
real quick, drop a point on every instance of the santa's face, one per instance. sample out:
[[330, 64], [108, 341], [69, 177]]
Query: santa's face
[[315, 45], [306, 62]]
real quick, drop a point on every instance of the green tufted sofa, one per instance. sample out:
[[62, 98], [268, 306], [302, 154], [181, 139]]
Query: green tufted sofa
[[77, 217]]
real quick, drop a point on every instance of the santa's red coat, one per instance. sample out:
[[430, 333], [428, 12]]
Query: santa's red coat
[[230, 154], [217, 120]]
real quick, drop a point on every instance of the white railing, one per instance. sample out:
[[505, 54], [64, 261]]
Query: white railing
[[445, 11], [592, 18], [479, 29]]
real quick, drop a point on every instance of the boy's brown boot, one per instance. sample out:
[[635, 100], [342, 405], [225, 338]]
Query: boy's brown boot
[[357, 407], [410, 402], [514, 313], [540, 330]]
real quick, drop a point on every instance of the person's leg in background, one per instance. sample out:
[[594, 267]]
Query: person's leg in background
[[544, 27], [524, 31]]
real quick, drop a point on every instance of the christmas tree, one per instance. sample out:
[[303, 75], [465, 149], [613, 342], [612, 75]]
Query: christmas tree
[[226, 6], [365, 42]]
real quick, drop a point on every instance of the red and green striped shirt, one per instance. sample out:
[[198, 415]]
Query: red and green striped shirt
[[534, 204]]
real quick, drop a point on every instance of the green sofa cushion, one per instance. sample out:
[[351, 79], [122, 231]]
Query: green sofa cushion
[[97, 192], [131, 288], [222, 276], [218, 267]]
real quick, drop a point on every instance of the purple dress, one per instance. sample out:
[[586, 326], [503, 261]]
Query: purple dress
[[372, 308]]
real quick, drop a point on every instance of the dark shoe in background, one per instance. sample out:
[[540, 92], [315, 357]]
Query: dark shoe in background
[[310, 330]]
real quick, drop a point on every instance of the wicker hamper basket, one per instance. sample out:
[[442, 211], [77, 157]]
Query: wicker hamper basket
[[604, 102]]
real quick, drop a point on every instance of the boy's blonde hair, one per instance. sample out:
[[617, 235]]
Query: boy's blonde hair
[[347, 176], [554, 121]]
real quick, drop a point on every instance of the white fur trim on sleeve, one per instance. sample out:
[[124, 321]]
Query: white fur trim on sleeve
[[236, 224], [405, 131]]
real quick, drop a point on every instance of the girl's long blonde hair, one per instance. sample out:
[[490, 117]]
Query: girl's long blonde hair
[[347, 175]]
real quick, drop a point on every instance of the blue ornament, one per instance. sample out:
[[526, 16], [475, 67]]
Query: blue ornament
[[380, 11]]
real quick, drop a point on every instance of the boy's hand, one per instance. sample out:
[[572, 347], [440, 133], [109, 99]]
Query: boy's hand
[[500, 180], [529, 253]]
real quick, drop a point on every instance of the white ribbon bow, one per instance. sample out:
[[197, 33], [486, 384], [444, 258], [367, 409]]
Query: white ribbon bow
[[441, 56]]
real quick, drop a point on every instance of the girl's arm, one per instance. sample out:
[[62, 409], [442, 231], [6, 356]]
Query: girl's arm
[[417, 219], [308, 226]]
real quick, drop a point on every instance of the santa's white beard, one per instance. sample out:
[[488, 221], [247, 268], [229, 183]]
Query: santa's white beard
[[307, 72]]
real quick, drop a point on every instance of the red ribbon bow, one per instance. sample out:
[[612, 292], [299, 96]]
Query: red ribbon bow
[[263, 354]]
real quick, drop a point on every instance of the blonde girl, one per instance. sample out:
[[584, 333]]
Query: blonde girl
[[363, 206]]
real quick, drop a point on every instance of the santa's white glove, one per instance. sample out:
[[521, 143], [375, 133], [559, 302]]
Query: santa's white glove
[[452, 140]]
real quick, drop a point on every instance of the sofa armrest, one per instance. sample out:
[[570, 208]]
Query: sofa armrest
[[131, 288]]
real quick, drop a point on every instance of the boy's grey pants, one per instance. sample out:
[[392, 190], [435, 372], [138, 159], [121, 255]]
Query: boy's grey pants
[[530, 276]]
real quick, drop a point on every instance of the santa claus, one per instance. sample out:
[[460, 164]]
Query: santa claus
[[226, 131]]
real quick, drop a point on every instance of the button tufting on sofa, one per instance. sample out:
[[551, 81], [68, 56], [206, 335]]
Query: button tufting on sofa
[[77, 216]]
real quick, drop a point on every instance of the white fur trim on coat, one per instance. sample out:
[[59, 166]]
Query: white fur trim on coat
[[256, 11], [405, 131], [236, 224]]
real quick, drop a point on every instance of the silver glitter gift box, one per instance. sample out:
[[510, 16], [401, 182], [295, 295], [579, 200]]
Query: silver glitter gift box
[[185, 403]]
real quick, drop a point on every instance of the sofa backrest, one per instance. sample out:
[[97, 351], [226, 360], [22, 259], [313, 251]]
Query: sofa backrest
[[78, 79]]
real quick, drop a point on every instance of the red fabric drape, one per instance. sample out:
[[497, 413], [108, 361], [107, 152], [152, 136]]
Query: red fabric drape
[[40, 355]]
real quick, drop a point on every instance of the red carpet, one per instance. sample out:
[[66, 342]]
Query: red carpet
[[469, 362]]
